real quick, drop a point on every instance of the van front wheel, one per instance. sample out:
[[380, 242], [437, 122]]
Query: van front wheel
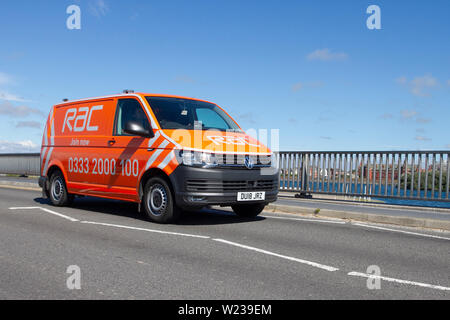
[[58, 191], [158, 201], [248, 210]]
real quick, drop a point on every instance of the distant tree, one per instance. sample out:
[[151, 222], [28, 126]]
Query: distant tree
[[422, 181]]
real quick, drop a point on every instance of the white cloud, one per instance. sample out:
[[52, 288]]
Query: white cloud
[[4, 95], [5, 79], [386, 116], [422, 138], [248, 117], [408, 114], [98, 8], [419, 86], [184, 79], [18, 146], [401, 80], [326, 55], [297, 86], [301, 85], [8, 109], [28, 124], [423, 120]]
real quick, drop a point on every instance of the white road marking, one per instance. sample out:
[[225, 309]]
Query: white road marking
[[310, 263], [305, 219], [401, 231], [360, 225], [144, 229], [46, 210], [109, 224], [420, 284], [59, 215]]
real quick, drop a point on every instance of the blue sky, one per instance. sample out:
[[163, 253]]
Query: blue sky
[[309, 68]]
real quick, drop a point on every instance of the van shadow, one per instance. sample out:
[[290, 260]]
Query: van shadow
[[206, 216]]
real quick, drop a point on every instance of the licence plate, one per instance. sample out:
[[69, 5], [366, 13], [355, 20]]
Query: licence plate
[[251, 196]]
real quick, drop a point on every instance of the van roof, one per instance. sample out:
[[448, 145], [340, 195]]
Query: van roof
[[137, 94]]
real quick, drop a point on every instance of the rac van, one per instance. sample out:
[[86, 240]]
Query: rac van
[[166, 153]]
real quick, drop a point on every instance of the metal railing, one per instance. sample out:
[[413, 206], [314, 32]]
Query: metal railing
[[20, 163], [415, 175]]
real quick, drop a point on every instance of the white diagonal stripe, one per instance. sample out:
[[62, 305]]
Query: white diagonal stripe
[[166, 160], [419, 284], [400, 231], [52, 129], [144, 229], [311, 263], [177, 145], [49, 154], [156, 153], [46, 210], [153, 140]]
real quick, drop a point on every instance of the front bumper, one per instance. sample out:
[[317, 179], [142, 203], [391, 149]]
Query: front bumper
[[42, 182], [198, 187]]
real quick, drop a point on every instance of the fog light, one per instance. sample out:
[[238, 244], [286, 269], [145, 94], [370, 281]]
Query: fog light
[[195, 198]]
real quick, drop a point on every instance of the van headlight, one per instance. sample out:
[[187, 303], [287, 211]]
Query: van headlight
[[199, 159]]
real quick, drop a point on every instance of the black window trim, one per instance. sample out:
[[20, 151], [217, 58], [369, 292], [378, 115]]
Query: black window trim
[[114, 133]]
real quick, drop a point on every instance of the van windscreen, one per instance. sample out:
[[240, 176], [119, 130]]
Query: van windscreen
[[177, 113]]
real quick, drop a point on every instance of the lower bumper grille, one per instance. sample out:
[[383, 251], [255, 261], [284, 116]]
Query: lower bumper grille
[[200, 185]]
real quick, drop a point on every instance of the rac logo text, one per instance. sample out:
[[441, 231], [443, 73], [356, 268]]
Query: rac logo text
[[80, 119], [217, 140]]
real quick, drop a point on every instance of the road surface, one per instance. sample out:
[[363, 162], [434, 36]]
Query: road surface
[[209, 255]]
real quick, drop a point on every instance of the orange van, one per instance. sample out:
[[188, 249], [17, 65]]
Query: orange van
[[166, 153]]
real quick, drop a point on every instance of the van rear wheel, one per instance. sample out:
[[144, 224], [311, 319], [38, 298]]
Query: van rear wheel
[[58, 191], [158, 201], [248, 210]]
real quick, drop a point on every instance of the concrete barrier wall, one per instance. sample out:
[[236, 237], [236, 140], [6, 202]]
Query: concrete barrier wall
[[23, 164]]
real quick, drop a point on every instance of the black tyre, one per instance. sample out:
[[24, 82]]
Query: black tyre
[[248, 210], [58, 191], [158, 201]]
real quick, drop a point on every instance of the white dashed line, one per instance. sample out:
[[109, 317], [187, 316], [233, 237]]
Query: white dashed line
[[400, 231], [144, 229], [46, 210], [359, 225], [419, 284], [310, 263]]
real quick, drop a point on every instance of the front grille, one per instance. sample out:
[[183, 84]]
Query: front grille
[[200, 185], [238, 160]]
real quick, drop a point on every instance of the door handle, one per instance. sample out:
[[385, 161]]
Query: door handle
[[111, 142]]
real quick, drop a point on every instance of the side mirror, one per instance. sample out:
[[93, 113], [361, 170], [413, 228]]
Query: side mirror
[[136, 129]]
